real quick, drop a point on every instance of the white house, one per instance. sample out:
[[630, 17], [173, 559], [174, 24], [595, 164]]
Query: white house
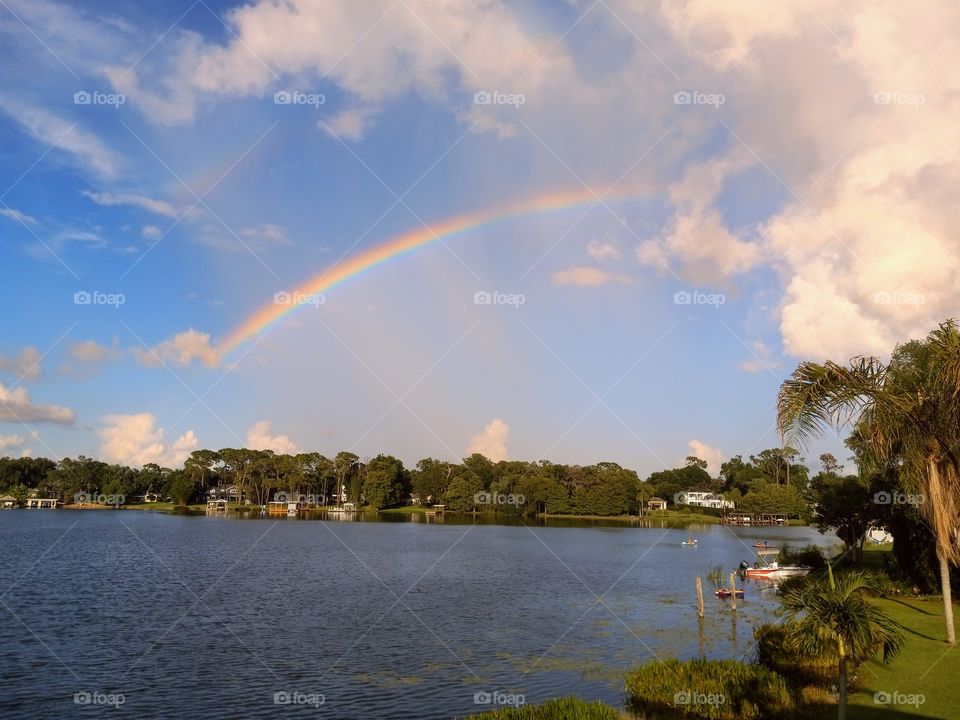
[[703, 499]]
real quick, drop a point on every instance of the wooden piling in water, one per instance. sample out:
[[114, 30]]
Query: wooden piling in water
[[733, 591], [699, 596]]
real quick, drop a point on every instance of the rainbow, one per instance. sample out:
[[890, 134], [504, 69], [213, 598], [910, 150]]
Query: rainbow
[[394, 247]]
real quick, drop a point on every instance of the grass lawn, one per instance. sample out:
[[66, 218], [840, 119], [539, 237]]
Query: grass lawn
[[926, 666], [406, 509]]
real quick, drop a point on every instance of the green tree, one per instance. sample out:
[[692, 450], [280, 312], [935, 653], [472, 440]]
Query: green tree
[[844, 505], [835, 617], [909, 411], [462, 491], [383, 481], [346, 468]]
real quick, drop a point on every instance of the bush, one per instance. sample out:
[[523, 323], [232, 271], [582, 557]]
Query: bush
[[774, 652], [713, 689], [567, 708], [809, 555]]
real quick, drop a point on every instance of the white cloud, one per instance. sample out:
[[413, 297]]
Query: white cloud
[[89, 351], [713, 456], [48, 129], [259, 438], [601, 251], [181, 349], [588, 277], [492, 442], [419, 46], [158, 207], [25, 365], [151, 232], [760, 360], [847, 113], [135, 440], [11, 441], [16, 407], [18, 216]]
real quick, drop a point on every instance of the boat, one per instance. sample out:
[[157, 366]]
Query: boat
[[690, 542], [764, 546], [771, 569], [725, 593]]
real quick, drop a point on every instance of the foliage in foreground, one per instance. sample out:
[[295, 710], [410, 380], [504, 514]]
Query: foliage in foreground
[[712, 689], [566, 708], [774, 651]]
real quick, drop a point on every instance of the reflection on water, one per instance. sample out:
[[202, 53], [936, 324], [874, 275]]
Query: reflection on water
[[188, 616]]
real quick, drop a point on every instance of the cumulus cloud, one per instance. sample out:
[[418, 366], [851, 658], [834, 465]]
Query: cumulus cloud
[[151, 232], [416, 46], [135, 440], [588, 277], [181, 349], [492, 442], [601, 251], [713, 456], [259, 438], [89, 351], [859, 137], [8, 442], [16, 407], [25, 365], [697, 236]]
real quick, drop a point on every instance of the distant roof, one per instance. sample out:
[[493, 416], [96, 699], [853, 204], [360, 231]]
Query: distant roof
[[7, 498]]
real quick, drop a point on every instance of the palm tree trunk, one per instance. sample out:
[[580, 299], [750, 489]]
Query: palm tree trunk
[[947, 597], [842, 709]]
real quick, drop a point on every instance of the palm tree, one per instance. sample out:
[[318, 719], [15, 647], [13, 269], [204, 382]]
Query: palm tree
[[835, 618], [908, 414]]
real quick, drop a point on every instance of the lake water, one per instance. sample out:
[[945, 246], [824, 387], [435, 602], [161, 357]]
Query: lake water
[[184, 616]]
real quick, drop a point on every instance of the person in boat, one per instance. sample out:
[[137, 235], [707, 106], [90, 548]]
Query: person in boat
[[690, 541], [764, 543]]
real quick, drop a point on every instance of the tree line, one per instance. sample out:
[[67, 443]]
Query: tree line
[[771, 481]]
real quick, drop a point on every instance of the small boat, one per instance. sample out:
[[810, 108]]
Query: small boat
[[764, 546], [725, 593], [772, 569], [690, 542]]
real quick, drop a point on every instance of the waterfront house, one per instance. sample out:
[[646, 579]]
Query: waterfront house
[[703, 499], [8, 501], [656, 503], [42, 503], [230, 493]]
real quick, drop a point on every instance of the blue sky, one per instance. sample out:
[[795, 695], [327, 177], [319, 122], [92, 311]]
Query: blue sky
[[184, 187]]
